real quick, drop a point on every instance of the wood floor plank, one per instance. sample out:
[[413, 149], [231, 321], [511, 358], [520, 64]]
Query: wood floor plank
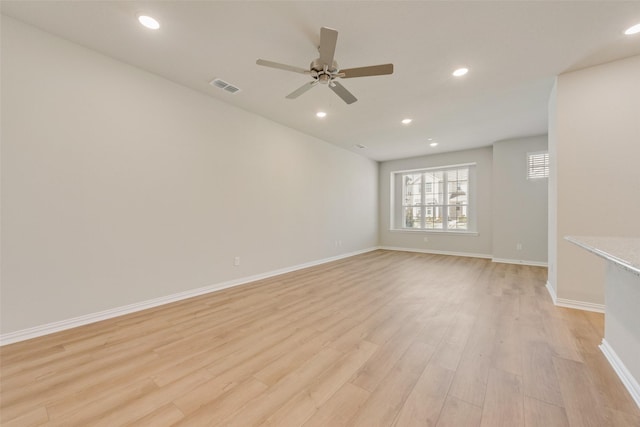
[[608, 386], [149, 402], [82, 407], [387, 400], [450, 349], [457, 413], [246, 343], [472, 373], [617, 418], [280, 367], [340, 409], [507, 353], [504, 400], [70, 383], [542, 414], [223, 406], [386, 356], [35, 417], [425, 402], [165, 416], [436, 327], [229, 372], [305, 403], [540, 380], [360, 332], [382, 338], [563, 343], [578, 394], [256, 411]]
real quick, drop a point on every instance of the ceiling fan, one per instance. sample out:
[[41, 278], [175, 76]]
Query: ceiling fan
[[325, 70]]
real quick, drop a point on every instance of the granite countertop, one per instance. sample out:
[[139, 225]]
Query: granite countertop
[[623, 251]]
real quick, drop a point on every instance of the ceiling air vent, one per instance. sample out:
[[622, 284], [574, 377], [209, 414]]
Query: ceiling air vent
[[219, 83]]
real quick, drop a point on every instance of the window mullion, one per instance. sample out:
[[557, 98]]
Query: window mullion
[[423, 209], [445, 202]]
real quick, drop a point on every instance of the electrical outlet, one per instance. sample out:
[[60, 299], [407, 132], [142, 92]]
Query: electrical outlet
[[236, 261], [519, 246], [426, 239], [339, 243]]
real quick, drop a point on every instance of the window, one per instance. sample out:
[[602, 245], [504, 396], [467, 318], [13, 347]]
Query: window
[[433, 199], [538, 165]]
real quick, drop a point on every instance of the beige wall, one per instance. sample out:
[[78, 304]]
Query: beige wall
[[597, 147], [519, 204], [119, 186]]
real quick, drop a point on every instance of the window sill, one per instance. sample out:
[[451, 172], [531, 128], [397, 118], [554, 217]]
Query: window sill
[[458, 232]]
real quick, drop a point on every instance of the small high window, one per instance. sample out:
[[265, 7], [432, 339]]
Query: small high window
[[538, 165]]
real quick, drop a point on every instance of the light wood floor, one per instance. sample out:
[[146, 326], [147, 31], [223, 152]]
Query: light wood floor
[[380, 339]]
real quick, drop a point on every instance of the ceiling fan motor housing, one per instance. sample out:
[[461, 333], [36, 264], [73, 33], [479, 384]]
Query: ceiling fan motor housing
[[324, 73]]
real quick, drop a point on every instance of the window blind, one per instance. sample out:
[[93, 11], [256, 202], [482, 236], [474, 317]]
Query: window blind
[[537, 165]]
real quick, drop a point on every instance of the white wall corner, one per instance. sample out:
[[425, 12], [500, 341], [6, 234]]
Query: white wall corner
[[625, 376], [552, 292], [580, 305], [575, 304]]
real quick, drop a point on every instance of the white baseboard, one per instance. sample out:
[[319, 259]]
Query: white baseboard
[[580, 305], [575, 304], [435, 252], [49, 328], [623, 373], [520, 262]]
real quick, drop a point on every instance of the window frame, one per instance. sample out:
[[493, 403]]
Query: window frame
[[397, 201]]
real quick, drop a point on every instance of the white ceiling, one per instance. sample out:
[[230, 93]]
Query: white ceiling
[[513, 49]]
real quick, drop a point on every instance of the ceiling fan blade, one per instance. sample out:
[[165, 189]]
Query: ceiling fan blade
[[302, 89], [342, 92], [328, 40], [373, 70], [280, 66]]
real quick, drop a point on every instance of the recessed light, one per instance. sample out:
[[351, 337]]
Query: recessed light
[[148, 22], [406, 121], [460, 72], [633, 30], [433, 144], [321, 114]]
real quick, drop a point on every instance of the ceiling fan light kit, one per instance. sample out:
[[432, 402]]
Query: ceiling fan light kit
[[325, 70]]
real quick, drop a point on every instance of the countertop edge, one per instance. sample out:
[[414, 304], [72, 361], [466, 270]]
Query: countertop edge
[[609, 257]]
